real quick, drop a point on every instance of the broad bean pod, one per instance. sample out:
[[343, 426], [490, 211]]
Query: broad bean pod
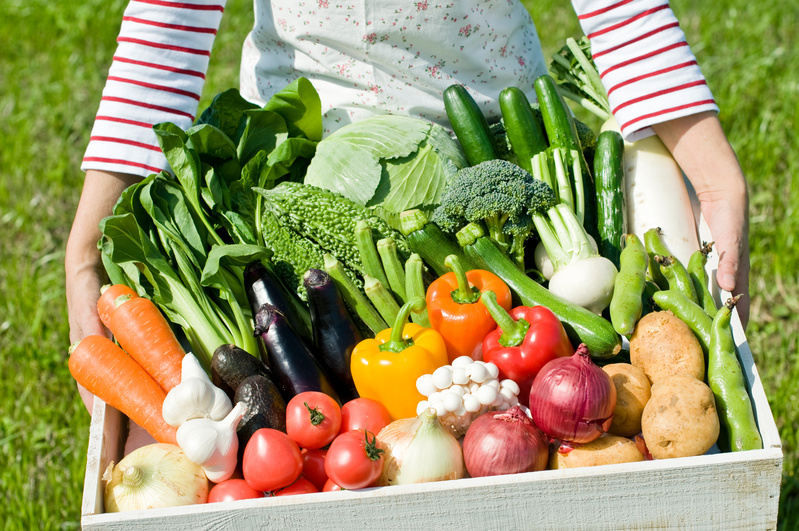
[[626, 306]]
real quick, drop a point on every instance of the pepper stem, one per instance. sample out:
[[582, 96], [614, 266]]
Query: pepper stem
[[396, 342], [513, 331], [465, 294]]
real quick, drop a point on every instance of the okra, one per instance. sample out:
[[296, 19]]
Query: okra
[[414, 287], [726, 379], [370, 259], [382, 298], [353, 296], [395, 271]]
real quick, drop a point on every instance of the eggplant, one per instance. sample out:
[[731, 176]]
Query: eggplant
[[230, 365], [266, 408], [263, 286], [290, 358], [335, 332]]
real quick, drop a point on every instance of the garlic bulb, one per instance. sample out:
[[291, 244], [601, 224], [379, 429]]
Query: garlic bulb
[[463, 391], [213, 444], [153, 476], [195, 396]]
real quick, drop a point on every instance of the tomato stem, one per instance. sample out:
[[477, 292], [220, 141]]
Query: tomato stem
[[317, 417], [372, 451]]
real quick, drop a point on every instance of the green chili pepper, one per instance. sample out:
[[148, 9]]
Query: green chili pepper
[[726, 379], [699, 278], [677, 276], [626, 306]]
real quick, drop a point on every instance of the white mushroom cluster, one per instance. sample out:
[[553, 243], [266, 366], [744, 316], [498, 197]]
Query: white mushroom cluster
[[465, 390]]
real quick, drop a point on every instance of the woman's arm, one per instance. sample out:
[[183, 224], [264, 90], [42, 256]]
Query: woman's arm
[[700, 147]]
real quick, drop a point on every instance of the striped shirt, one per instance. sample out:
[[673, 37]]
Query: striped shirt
[[159, 67]]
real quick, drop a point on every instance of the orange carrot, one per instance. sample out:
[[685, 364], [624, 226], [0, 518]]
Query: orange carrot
[[144, 333], [106, 303], [106, 371]]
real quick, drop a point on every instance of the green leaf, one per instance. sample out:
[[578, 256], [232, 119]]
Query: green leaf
[[210, 142], [226, 111], [263, 131], [299, 104], [229, 256], [349, 161]]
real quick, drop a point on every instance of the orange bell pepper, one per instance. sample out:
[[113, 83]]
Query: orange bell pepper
[[385, 368], [454, 308]]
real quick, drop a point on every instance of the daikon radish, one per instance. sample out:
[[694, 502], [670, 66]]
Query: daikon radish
[[657, 195]]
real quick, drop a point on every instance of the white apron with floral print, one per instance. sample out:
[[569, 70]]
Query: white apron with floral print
[[391, 56]]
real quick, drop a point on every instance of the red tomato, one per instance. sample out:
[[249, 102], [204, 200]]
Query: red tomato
[[301, 486], [364, 414], [313, 419], [354, 459], [313, 466], [271, 460], [232, 490], [330, 486]]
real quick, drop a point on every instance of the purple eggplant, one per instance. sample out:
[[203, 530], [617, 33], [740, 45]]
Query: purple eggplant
[[335, 333], [263, 286], [290, 358]]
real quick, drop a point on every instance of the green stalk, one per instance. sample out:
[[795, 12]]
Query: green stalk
[[580, 244], [397, 343], [541, 171], [369, 254], [414, 286], [353, 296], [382, 299], [513, 331], [550, 241], [594, 81], [565, 192], [464, 294], [395, 272], [579, 186]]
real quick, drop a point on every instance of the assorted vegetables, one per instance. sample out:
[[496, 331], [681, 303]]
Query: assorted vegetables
[[393, 304]]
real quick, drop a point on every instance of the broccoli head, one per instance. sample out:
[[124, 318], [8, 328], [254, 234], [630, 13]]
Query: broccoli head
[[499, 194]]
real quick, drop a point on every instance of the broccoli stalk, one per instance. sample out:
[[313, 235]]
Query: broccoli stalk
[[501, 196]]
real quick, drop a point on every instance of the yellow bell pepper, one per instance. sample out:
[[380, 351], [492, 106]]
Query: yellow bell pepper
[[385, 368]]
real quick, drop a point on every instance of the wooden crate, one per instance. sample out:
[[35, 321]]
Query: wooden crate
[[716, 491]]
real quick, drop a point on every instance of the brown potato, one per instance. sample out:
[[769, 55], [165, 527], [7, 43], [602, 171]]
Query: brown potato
[[680, 419], [632, 393], [606, 450], [662, 345]]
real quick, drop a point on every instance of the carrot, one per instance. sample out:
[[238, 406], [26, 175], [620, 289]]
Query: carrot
[[143, 332], [107, 372], [106, 303]]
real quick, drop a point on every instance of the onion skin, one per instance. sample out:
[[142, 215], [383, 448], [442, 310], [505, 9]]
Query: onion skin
[[504, 442], [572, 399]]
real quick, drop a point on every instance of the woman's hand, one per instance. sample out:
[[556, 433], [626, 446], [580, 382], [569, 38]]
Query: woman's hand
[[702, 150], [83, 265]]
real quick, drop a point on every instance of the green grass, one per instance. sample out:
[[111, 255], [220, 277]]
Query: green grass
[[53, 60]]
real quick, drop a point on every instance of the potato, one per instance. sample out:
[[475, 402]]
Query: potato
[[632, 393], [662, 345], [680, 418], [606, 450]]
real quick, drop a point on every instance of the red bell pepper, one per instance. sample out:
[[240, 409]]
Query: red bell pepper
[[523, 342], [454, 309]]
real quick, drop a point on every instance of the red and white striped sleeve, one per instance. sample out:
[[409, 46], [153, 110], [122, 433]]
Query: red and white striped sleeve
[[157, 75], [645, 63]]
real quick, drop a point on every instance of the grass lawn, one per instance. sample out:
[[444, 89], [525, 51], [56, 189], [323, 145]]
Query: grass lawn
[[53, 60]]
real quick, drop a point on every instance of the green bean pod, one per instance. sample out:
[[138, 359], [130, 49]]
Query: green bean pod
[[656, 246], [677, 276], [726, 379], [626, 306], [650, 288], [689, 312], [698, 274]]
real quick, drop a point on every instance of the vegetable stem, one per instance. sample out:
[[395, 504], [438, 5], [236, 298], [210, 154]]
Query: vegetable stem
[[513, 331], [414, 286], [397, 342], [465, 294]]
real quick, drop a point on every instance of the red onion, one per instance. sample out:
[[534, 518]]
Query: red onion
[[572, 399], [504, 442]]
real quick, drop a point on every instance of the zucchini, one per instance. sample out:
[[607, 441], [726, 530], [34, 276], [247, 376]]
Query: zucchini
[[610, 203], [525, 132], [582, 326], [561, 130], [469, 125], [429, 242]]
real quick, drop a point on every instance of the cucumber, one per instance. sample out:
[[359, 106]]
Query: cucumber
[[561, 130], [525, 132], [610, 202], [582, 326], [469, 125], [429, 242]]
